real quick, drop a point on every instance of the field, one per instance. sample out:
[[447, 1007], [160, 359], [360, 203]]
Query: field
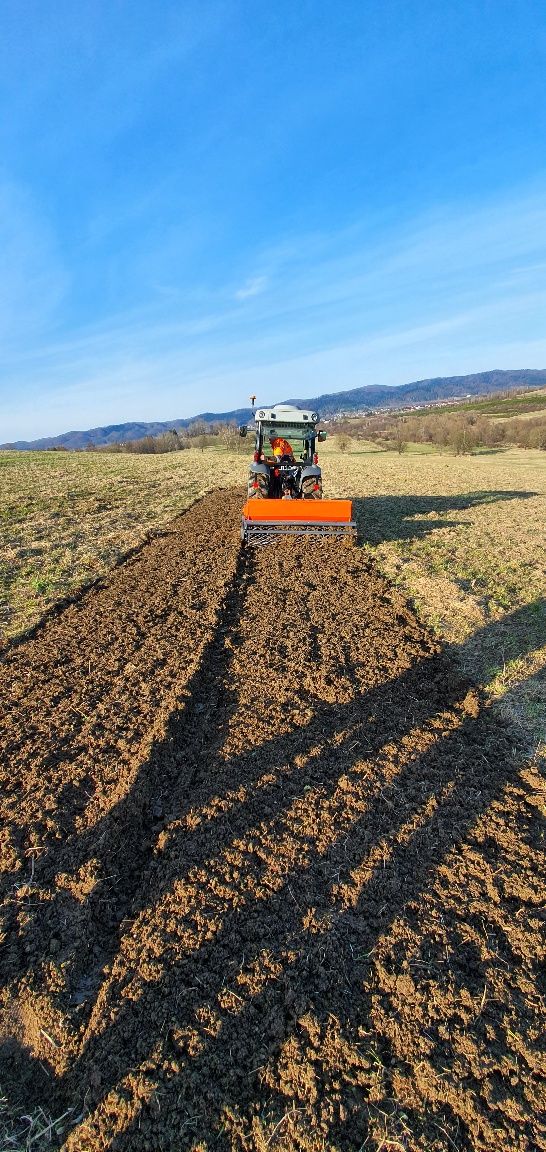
[[271, 872], [66, 518], [526, 404], [462, 537]]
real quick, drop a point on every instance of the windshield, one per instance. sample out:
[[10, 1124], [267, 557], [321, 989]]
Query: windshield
[[284, 432]]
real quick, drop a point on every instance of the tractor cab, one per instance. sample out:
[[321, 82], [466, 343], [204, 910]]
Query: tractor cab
[[285, 462]]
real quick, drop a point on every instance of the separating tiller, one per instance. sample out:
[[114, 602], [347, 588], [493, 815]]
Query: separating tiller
[[285, 481]]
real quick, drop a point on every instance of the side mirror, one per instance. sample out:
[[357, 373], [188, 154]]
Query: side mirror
[[322, 437], [243, 430]]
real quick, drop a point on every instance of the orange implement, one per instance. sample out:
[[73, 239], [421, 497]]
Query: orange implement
[[318, 511], [265, 520]]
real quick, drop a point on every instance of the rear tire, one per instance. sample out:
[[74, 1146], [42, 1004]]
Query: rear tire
[[262, 491], [311, 488]]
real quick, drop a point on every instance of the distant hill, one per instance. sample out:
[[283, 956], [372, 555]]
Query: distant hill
[[120, 433], [329, 404], [425, 391]]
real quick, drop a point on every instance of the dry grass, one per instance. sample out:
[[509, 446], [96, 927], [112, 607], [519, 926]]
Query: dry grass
[[35, 1132], [462, 536]]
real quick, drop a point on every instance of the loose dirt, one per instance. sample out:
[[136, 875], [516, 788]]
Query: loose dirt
[[270, 870]]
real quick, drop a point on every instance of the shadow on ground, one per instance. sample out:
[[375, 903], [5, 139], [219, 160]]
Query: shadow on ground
[[383, 518], [315, 941]]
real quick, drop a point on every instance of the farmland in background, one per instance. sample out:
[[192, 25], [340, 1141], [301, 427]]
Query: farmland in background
[[497, 421], [463, 537]]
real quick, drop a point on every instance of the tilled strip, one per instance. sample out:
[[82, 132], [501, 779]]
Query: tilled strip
[[85, 704], [298, 873], [323, 776]]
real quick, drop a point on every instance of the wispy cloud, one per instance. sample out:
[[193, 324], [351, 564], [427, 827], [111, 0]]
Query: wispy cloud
[[455, 291], [253, 287]]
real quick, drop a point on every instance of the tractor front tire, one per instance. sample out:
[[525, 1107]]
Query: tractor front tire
[[311, 488]]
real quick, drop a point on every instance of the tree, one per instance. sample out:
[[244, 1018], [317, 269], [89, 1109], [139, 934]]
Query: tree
[[229, 437], [343, 442], [399, 439], [462, 438], [197, 428]]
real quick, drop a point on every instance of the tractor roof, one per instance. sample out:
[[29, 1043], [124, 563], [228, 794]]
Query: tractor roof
[[286, 414]]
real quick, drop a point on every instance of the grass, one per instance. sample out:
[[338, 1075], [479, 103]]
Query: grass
[[464, 539], [36, 1132], [462, 536]]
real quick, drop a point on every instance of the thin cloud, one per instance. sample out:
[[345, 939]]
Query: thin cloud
[[442, 296], [252, 287]]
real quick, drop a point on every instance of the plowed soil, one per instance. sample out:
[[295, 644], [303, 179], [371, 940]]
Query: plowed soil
[[271, 873]]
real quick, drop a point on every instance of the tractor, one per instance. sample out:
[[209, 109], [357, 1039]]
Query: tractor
[[285, 480]]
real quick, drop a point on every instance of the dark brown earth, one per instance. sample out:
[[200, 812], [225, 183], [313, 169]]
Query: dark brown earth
[[271, 873]]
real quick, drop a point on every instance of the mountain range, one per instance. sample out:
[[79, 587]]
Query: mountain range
[[329, 404]]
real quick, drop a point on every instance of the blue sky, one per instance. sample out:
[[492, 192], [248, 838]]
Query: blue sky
[[203, 200]]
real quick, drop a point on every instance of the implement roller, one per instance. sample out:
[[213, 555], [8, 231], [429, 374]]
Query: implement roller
[[285, 482], [264, 521]]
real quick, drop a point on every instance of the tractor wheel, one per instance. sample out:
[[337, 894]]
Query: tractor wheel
[[311, 488], [258, 486]]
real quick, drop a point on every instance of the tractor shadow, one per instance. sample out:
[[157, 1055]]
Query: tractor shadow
[[121, 844], [320, 975], [319, 926], [314, 937], [387, 518]]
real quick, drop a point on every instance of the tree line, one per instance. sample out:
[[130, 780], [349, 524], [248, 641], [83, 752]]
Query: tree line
[[198, 434], [459, 432]]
